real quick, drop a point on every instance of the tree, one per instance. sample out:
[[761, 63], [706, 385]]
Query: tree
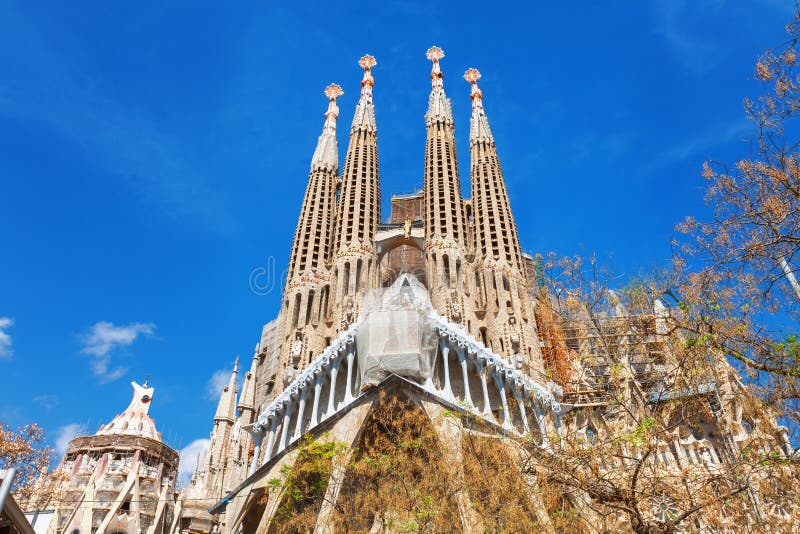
[[661, 434], [735, 283], [655, 367], [24, 450]]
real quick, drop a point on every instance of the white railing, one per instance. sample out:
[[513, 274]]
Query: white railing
[[489, 387]]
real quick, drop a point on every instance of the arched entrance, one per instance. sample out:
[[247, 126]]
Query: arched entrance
[[400, 251]]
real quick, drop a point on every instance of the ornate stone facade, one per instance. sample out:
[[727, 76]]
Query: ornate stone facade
[[439, 308]]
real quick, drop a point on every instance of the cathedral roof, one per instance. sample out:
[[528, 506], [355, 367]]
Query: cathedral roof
[[134, 421]]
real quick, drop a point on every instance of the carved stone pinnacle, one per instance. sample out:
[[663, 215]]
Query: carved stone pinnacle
[[333, 91], [367, 62], [472, 75], [434, 53]]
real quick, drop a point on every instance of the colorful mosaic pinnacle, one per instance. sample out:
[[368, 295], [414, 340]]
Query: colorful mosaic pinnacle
[[434, 53], [367, 62], [333, 91], [479, 124], [472, 76]]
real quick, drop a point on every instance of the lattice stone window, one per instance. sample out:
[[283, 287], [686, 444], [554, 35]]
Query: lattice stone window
[[665, 509]]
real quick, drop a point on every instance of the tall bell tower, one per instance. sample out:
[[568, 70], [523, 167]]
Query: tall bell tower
[[353, 255], [503, 294], [307, 289], [445, 222]]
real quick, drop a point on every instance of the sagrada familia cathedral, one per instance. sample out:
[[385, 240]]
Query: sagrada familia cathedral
[[433, 311]]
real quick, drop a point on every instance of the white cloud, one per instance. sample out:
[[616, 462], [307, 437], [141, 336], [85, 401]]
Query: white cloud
[[48, 402], [217, 383], [5, 338], [680, 23], [700, 145], [189, 457], [104, 337], [65, 434], [219, 379]]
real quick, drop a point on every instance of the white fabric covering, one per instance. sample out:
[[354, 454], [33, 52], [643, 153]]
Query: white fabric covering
[[397, 335]]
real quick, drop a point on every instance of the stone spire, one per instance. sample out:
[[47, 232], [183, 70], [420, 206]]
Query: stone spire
[[365, 109], [445, 222], [226, 409], [359, 204], [134, 421], [479, 122], [247, 403], [326, 155], [438, 104], [496, 238], [308, 277], [311, 239]]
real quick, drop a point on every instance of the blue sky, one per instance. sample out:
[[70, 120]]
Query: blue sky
[[153, 156]]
